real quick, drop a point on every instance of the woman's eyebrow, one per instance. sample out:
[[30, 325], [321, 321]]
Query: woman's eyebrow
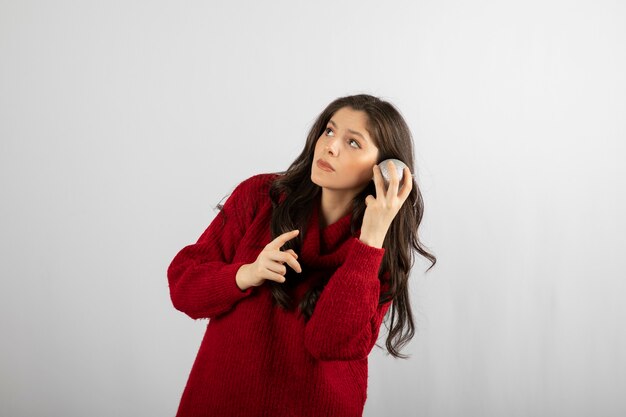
[[349, 130]]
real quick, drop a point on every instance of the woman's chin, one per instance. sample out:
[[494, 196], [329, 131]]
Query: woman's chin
[[318, 179]]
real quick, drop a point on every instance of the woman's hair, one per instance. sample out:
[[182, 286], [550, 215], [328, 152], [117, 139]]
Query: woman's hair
[[392, 137]]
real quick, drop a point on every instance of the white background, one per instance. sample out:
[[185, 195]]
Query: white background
[[123, 123]]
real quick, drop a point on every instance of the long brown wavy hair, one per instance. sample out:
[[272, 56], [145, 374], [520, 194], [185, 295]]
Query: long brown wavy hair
[[392, 137]]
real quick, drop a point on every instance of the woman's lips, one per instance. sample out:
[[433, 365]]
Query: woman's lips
[[324, 165]]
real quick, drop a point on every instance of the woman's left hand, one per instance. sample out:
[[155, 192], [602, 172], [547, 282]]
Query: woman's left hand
[[382, 209]]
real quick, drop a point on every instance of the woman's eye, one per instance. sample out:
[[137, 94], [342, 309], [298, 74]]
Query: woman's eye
[[329, 131], [357, 143]]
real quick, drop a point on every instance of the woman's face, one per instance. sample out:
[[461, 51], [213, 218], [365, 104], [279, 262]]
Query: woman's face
[[347, 146]]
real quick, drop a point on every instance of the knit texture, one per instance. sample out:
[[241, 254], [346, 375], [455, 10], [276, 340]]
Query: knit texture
[[257, 359]]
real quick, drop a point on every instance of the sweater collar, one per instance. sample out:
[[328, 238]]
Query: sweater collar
[[326, 247]]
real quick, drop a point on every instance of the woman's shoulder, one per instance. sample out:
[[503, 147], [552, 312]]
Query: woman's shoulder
[[259, 183], [254, 190], [249, 197]]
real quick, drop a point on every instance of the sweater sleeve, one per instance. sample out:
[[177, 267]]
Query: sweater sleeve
[[202, 276], [346, 320]]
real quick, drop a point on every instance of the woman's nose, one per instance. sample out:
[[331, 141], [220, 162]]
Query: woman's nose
[[331, 146]]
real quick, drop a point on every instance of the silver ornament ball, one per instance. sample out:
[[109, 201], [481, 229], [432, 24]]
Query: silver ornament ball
[[399, 165]]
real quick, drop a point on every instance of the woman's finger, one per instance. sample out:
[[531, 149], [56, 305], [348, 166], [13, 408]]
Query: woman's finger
[[394, 181], [275, 266], [273, 276], [285, 257], [378, 182], [282, 239], [407, 186]]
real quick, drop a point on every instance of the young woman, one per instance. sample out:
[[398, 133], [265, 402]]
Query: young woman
[[298, 269]]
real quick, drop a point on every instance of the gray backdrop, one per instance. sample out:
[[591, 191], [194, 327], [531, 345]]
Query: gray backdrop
[[123, 123]]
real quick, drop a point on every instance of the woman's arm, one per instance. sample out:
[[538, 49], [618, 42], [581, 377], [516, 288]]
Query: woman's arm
[[346, 320], [202, 276]]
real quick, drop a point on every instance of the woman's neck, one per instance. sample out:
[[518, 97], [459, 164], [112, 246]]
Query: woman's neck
[[333, 206]]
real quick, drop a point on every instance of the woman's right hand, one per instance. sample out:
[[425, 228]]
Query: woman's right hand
[[269, 263]]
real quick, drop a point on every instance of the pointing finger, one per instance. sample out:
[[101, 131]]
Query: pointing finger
[[282, 239]]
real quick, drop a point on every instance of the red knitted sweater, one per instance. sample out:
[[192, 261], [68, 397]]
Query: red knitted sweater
[[257, 359]]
